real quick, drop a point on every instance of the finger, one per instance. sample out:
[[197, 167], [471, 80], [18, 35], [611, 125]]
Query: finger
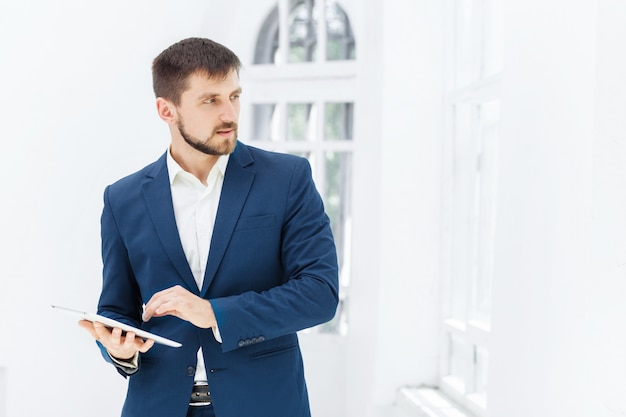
[[146, 346], [129, 340], [87, 325], [102, 333], [148, 311], [153, 304], [116, 336], [168, 307], [160, 298], [132, 342], [157, 307]]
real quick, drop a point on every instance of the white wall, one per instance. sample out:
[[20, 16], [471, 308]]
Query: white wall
[[604, 326], [412, 116], [394, 310], [557, 338], [3, 392], [78, 113]]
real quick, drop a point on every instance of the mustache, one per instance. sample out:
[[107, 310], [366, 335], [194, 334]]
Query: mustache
[[226, 126]]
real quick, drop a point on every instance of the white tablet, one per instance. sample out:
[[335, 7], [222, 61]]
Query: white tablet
[[114, 323]]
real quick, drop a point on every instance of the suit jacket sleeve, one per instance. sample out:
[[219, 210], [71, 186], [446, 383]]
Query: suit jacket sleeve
[[119, 287], [308, 295]]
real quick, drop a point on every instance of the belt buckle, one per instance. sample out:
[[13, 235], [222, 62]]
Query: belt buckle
[[200, 395]]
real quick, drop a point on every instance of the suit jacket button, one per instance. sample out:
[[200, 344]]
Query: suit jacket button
[[241, 343], [191, 371], [260, 339], [254, 340]]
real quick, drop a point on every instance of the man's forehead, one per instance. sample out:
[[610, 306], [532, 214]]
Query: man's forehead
[[199, 82], [215, 78]]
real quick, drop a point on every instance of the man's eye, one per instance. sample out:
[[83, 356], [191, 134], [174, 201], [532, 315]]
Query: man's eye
[[209, 101], [235, 97]]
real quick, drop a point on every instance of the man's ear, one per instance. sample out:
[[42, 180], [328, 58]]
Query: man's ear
[[166, 110]]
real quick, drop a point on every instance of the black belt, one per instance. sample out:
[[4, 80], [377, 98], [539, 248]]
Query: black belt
[[200, 395]]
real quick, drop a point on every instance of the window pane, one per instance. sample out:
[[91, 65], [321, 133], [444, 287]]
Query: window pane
[[481, 371], [337, 184], [264, 122], [338, 121], [478, 40], [301, 121], [267, 43], [337, 189], [464, 42], [302, 32], [486, 178], [339, 37], [457, 360], [492, 38], [463, 169]]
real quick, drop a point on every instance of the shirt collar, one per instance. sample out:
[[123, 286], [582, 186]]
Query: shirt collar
[[173, 169]]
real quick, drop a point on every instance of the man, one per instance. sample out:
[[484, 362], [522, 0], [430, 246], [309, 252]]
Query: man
[[218, 245]]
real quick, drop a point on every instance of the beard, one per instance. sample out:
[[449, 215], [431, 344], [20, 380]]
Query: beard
[[213, 145]]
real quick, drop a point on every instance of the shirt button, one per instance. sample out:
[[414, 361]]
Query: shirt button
[[191, 371]]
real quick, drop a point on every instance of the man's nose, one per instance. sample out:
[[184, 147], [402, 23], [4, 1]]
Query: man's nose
[[228, 113]]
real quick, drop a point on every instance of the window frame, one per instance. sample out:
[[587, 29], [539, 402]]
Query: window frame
[[465, 86]]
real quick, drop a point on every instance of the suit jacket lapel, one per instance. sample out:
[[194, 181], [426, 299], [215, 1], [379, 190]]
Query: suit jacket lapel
[[156, 191], [237, 183]]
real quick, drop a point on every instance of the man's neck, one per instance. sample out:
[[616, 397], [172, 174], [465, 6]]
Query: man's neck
[[195, 162]]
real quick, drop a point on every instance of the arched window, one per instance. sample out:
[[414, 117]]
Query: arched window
[[302, 30], [302, 102]]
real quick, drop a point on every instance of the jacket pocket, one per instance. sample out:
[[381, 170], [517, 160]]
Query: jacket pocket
[[278, 350], [256, 222]]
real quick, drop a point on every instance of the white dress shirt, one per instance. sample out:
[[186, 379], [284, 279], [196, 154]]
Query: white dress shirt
[[195, 208]]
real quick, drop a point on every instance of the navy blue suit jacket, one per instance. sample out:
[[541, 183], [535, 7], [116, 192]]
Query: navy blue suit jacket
[[272, 271]]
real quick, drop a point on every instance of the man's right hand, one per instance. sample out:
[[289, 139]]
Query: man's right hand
[[120, 347]]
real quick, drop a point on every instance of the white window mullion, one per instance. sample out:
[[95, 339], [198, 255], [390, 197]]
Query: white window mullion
[[320, 122], [317, 149], [320, 11], [283, 31], [320, 171], [281, 108]]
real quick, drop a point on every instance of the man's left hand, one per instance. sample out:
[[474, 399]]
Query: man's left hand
[[177, 301]]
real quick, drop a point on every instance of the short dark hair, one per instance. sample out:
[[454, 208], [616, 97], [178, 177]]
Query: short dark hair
[[172, 68]]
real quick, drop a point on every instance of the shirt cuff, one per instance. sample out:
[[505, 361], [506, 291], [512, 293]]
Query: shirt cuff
[[131, 363], [216, 333]]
